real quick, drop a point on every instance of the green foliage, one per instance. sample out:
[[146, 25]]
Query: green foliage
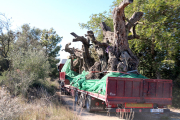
[[158, 47], [41, 84], [35, 38], [159, 36], [94, 24], [32, 58], [176, 97], [26, 67], [6, 39], [49, 40], [28, 38]]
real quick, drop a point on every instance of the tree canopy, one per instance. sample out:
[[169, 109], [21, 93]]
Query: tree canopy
[[158, 45], [29, 55]]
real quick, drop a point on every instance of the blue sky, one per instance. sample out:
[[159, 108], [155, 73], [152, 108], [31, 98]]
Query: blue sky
[[62, 15]]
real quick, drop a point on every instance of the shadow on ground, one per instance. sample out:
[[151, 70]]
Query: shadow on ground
[[68, 101]]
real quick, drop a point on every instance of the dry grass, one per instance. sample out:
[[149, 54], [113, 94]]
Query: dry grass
[[9, 107], [51, 112], [46, 108]]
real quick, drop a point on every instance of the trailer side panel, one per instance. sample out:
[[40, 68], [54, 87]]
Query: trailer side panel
[[135, 90]]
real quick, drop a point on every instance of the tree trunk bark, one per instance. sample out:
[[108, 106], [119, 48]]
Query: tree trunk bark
[[120, 45], [120, 57], [101, 50], [87, 60]]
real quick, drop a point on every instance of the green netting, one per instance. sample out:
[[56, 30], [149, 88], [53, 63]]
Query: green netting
[[67, 66], [96, 85], [79, 79], [67, 69], [69, 78], [71, 73]]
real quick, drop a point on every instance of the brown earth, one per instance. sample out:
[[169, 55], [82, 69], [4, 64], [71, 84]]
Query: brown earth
[[68, 101]]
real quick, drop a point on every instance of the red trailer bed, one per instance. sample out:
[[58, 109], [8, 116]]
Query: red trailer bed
[[134, 90], [141, 95]]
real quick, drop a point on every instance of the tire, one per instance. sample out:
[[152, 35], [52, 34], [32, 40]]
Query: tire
[[76, 97], [82, 102], [62, 90], [88, 104], [66, 92]]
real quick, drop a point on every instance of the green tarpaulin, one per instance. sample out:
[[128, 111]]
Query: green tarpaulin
[[95, 85]]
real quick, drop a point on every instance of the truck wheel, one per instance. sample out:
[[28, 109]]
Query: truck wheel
[[76, 98], [66, 92], [62, 90], [82, 102], [88, 104]]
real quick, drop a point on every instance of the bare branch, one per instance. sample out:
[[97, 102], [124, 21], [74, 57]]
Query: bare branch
[[124, 3], [72, 51], [79, 38], [104, 27], [91, 37], [134, 18], [108, 35], [74, 34]]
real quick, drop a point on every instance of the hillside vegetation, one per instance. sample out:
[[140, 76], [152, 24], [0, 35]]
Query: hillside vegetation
[[27, 74]]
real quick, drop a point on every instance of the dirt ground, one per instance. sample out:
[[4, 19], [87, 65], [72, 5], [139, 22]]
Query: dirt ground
[[174, 114]]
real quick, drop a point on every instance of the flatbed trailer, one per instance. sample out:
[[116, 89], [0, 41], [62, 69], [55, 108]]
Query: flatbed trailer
[[124, 95]]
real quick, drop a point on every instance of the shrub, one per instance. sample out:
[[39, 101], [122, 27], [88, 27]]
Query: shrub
[[26, 67]]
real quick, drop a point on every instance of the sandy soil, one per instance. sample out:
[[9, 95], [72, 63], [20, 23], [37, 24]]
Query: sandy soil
[[84, 115]]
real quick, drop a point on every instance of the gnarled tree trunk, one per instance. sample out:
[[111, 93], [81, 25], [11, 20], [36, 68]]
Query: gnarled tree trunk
[[128, 61], [88, 61], [114, 53], [101, 51]]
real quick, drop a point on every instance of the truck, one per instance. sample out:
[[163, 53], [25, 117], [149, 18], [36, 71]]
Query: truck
[[123, 94]]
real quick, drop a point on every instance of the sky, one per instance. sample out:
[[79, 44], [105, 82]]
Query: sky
[[62, 15]]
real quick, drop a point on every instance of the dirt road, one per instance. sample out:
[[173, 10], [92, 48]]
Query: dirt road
[[84, 115]]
